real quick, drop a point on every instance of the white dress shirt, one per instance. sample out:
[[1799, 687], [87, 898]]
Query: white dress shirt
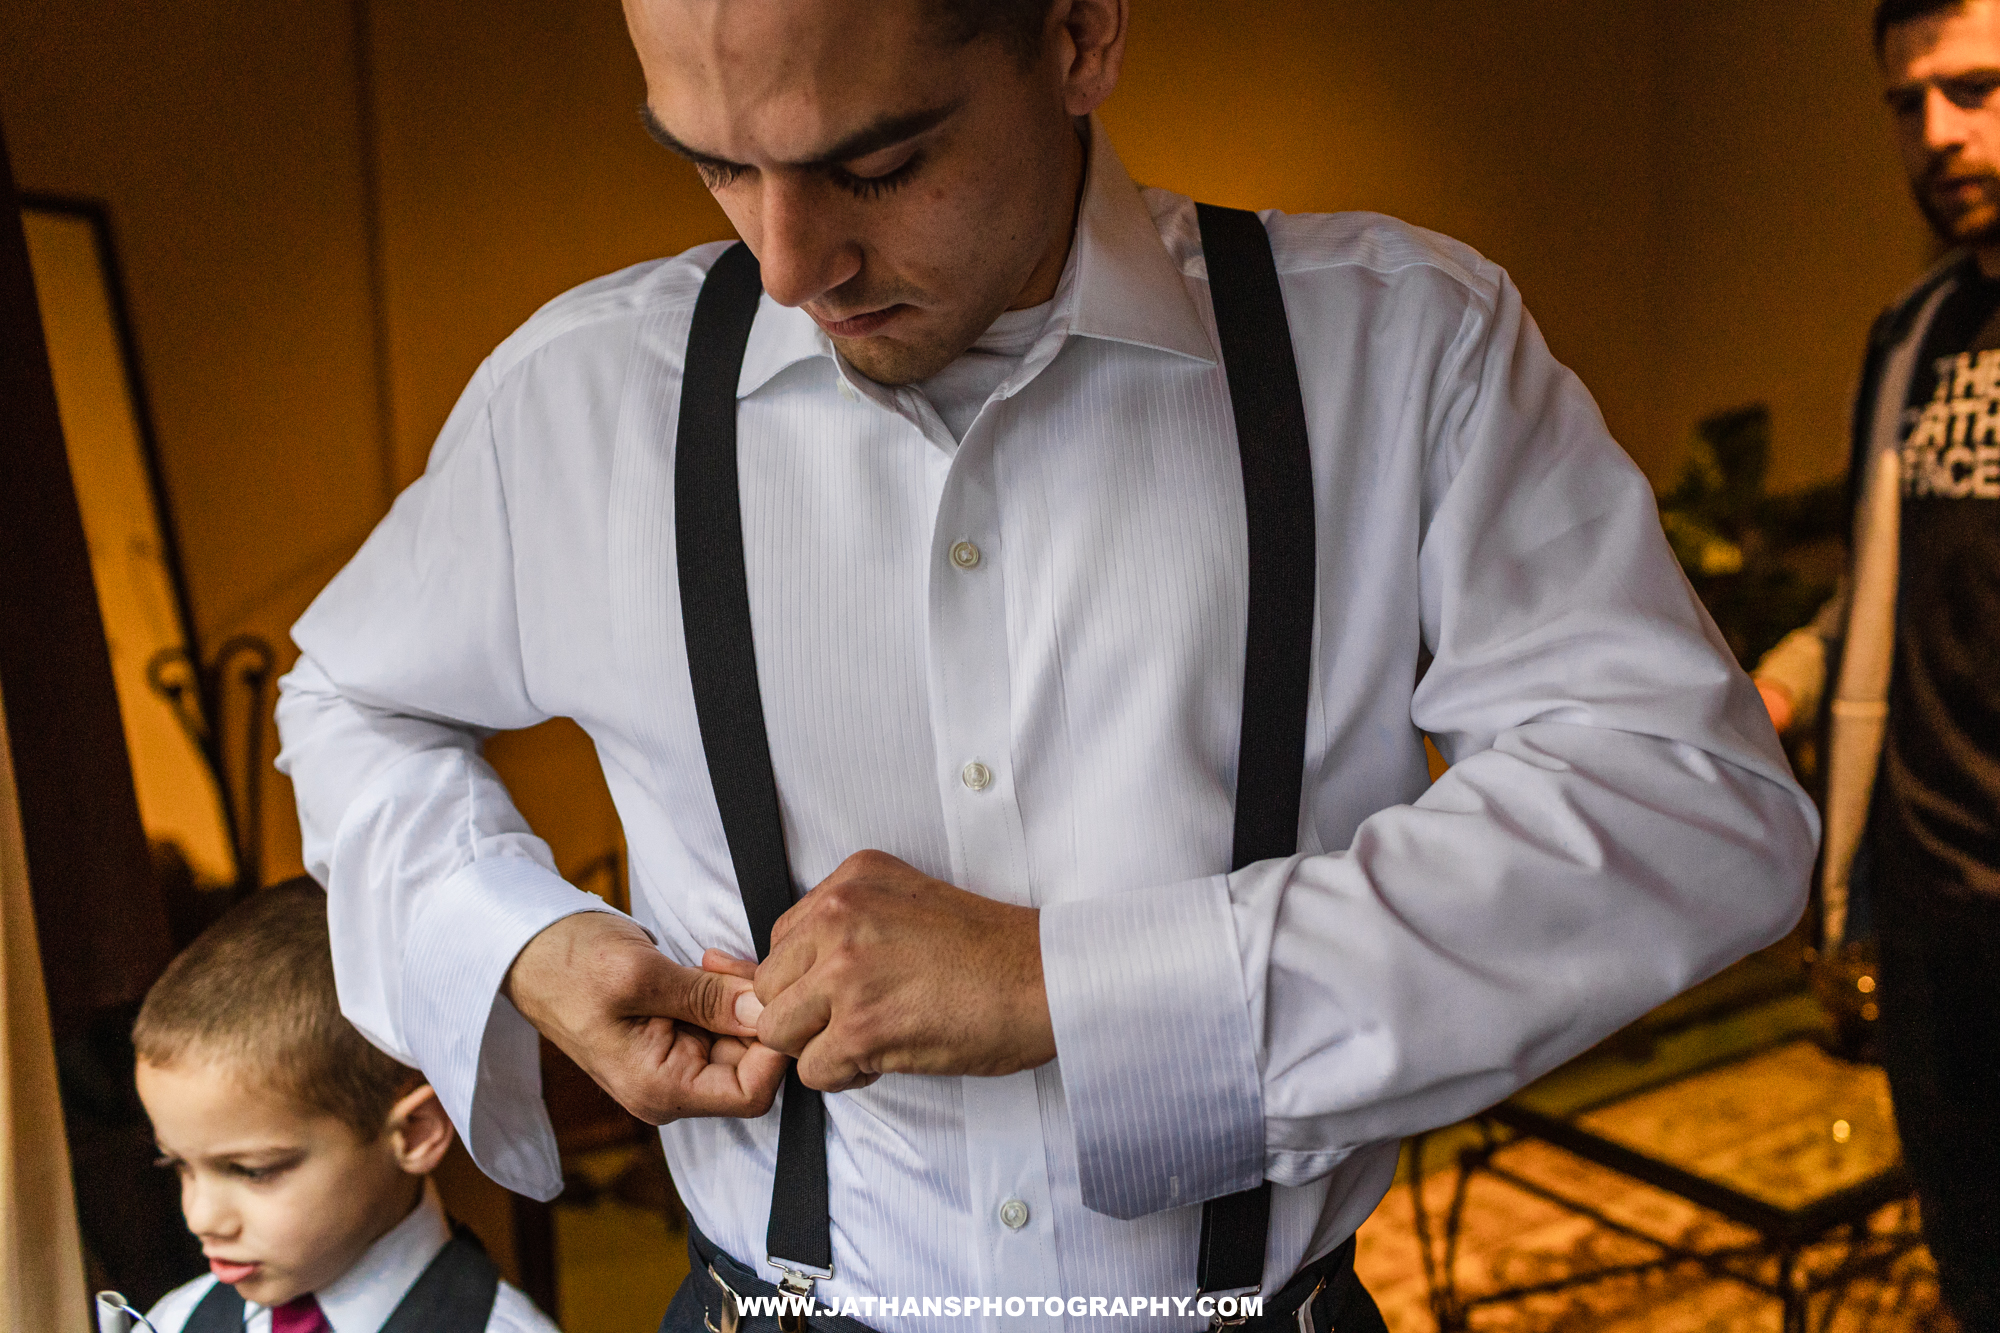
[[362, 1299], [1059, 597]]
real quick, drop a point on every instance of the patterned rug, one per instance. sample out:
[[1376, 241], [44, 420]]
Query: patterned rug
[[1512, 1238]]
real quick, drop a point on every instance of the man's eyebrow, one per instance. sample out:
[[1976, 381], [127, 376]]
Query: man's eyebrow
[[884, 133], [1978, 74]]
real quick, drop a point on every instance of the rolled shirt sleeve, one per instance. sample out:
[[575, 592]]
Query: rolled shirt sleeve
[[1617, 824], [435, 882]]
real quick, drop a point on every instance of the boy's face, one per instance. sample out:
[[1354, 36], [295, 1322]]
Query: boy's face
[[284, 1200]]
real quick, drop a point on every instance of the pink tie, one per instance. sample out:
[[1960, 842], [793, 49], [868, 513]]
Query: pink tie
[[299, 1315]]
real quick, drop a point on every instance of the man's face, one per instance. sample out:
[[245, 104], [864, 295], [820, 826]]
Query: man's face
[[1941, 72], [283, 1200], [901, 189]]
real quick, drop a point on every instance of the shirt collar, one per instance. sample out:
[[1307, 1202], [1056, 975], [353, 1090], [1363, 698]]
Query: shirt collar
[[1119, 284], [1128, 288], [362, 1299]]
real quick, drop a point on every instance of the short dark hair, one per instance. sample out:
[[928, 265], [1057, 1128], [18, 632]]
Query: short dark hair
[[1895, 13], [1016, 24], [255, 992]]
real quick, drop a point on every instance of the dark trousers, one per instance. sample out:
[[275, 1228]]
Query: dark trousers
[[1345, 1306], [1940, 972]]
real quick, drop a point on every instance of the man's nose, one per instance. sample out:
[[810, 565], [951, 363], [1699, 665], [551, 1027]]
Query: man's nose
[[1944, 122], [804, 251]]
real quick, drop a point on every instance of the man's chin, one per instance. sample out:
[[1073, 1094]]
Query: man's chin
[[893, 362], [1976, 228]]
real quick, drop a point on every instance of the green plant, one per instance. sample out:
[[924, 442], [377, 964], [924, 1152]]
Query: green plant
[[1744, 551]]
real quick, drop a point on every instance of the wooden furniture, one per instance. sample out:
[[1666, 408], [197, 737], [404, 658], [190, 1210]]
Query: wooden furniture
[[1785, 1140]]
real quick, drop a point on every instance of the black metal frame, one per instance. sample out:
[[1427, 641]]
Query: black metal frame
[[196, 689], [1783, 1233]]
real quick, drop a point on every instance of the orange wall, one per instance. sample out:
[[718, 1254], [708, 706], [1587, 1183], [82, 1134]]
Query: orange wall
[[1526, 130], [513, 168], [1787, 222], [224, 138], [1696, 198]]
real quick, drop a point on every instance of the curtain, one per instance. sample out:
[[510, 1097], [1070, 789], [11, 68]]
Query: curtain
[[41, 1258]]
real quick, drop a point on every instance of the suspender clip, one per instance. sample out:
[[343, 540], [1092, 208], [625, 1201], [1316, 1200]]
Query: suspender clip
[[1217, 1322], [732, 1306], [796, 1280], [1305, 1314]]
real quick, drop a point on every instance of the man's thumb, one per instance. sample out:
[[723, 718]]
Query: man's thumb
[[714, 1001]]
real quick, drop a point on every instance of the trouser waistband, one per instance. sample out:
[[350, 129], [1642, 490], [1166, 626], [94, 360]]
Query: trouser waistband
[[1323, 1297], [707, 1263]]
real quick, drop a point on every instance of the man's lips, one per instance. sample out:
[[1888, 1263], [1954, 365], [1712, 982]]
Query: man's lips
[[1957, 185], [860, 326], [230, 1272]]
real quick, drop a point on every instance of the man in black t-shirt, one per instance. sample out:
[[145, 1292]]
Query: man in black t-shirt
[[1907, 659]]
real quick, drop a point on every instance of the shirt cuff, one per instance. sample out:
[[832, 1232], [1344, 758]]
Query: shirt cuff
[[483, 1058], [1156, 1050]]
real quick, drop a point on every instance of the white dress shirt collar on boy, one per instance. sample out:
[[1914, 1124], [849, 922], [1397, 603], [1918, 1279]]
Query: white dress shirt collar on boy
[[362, 1299]]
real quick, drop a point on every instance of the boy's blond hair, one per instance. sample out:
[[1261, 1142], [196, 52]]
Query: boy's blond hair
[[255, 991]]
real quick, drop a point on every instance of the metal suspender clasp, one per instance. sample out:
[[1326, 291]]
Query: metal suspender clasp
[[1240, 1297], [732, 1306], [796, 1281], [1305, 1315]]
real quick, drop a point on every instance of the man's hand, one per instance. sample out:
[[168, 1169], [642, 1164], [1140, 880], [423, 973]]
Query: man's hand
[[667, 1041], [1778, 703], [882, 969]]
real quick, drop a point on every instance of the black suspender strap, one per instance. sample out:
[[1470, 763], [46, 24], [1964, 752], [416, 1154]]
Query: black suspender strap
[[722, 665], [1271, 441], [454, 1294]]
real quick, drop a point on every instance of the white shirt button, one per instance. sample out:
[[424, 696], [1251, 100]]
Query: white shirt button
[[965, 555], [847, 392], [1014, 1214], [976, 775]]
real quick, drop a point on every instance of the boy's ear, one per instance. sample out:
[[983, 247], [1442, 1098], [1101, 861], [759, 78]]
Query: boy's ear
[[419, 1131]]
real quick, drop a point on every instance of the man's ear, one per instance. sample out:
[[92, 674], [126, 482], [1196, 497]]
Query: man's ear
[[1091, 43], [419, 1131]]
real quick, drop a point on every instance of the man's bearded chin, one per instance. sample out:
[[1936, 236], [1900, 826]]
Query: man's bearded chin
[[1977, 227]]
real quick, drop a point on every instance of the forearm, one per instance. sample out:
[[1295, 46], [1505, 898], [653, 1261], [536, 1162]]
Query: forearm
[[1540, 896], [435, 883], [1267, 1023]]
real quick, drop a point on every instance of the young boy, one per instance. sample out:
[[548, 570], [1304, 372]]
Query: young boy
[[304, 1153]]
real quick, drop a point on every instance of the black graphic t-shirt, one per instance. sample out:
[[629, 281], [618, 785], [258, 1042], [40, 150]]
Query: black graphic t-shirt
[[1940, 811]]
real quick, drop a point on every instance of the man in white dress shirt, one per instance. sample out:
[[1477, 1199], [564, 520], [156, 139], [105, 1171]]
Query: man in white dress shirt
[[993, 536]]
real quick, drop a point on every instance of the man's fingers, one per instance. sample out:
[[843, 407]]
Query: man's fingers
[[794, 1018], [717, 1001], [697, 1074], [788, 961], [792, 918], [715, 960], [736, 1078], [828, 1069], [760, 1072]]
